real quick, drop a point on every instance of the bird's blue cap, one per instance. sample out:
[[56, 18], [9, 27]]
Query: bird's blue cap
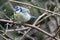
[[17, 8]]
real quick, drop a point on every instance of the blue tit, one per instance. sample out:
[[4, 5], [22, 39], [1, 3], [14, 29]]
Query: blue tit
[[23, 14]]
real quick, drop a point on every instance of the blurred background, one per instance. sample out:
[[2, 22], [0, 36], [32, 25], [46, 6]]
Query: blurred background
[[49, 22]]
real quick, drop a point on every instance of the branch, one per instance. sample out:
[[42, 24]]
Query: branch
[[44, 18], [40, 8], [12, 22], [18, 29], [32, 26]]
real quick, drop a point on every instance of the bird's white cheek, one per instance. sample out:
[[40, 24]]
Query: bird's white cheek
[[17, 11]]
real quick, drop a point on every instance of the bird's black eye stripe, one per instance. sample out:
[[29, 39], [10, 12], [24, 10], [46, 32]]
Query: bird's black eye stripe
[[17, 9], [20, 9]]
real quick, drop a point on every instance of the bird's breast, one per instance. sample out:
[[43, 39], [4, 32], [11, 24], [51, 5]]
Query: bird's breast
[[22, 17]]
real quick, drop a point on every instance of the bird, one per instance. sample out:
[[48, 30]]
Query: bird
[[23, 14]]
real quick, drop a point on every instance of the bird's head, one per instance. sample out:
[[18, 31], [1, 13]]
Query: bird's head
[[17, 9]]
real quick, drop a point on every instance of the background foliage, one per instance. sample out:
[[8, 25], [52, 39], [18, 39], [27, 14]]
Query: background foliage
[[50, 24]]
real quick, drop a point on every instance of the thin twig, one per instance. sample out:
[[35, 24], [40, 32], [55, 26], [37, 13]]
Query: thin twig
[[6, 29], [11, 6], [40, 17], [4, 14], [3, 36], [57, 4], [44, 18], [18, 29], [57, 32]]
